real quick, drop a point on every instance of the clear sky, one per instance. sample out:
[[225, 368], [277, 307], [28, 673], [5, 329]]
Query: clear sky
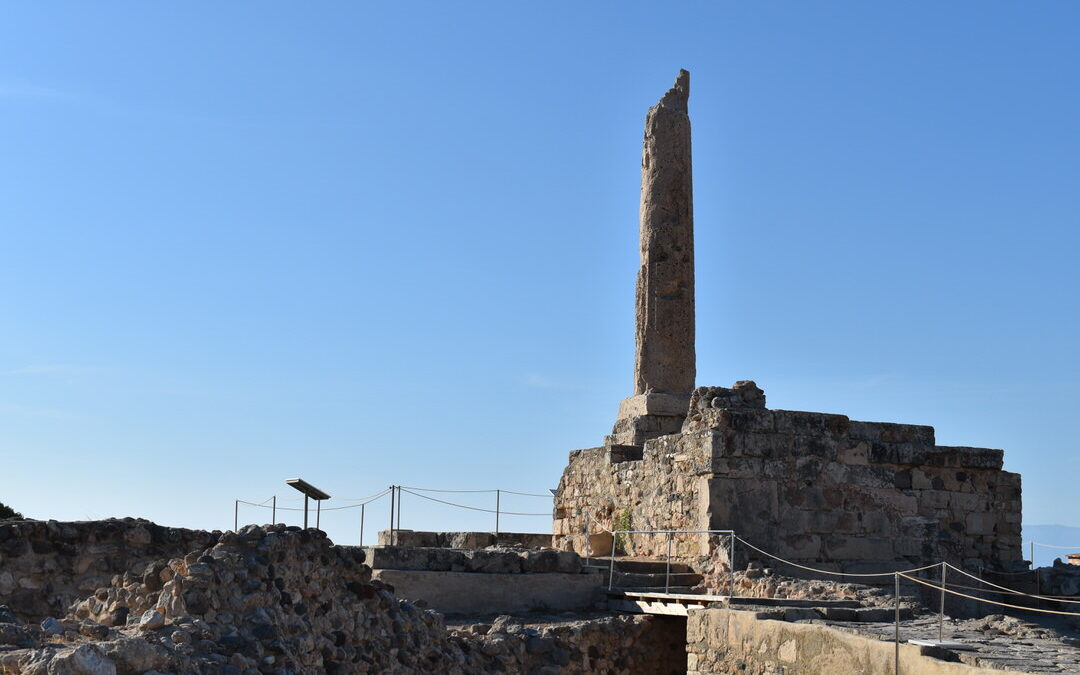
[[397, 242]]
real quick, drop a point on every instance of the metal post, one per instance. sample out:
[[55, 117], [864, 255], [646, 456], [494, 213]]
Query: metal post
[[362, 506], [611, 570], [236, 516], [305, 511], [731, 567], [667, 576], [941, 612], [896, 635], [393, 491], [318, 513], [498, 498], [273, 514], [397, 527]]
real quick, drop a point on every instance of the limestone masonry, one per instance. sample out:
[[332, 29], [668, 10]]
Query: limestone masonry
[[809, 487]]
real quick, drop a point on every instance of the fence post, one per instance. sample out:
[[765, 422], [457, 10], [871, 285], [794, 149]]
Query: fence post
[[236, 515], [941, 612], [273, 514], [896, 634], [731, 567], [667, 575], [397, 527], [498, 499], [611, 569], [362, 507], [393, 491]]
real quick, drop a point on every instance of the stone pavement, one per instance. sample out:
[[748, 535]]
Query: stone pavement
[[1000, 642]]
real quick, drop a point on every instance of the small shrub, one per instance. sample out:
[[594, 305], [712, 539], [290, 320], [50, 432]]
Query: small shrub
[[6, 512]]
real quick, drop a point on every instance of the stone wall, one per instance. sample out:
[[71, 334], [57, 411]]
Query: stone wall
[[726, 641], [47, 565], [472, 540], [809, 487], [616, 645]]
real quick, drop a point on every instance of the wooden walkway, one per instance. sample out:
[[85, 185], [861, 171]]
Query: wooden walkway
[[678, 604]]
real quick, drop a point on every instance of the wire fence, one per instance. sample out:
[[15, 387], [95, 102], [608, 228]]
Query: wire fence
[[395, 493]]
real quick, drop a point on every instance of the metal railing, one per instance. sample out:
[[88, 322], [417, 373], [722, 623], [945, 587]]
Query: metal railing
[[615, 534]]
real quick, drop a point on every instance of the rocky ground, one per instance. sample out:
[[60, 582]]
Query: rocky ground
[[270, 600], [283, 600]]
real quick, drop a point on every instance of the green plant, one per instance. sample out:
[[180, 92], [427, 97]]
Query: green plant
[[8, 512], [624, 520]]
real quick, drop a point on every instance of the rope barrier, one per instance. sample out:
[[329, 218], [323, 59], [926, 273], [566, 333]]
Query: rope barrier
[[505, 492], [366, 499], [1049, 598], [837, 574], [528, 494], [334, 508], [989, 602], [474, 508], [1010, 590], [407, 487], [1061, 548]]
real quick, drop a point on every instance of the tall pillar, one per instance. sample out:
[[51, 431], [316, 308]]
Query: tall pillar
[[665, 359]]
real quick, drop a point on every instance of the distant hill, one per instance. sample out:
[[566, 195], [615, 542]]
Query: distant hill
[[1055, 535]]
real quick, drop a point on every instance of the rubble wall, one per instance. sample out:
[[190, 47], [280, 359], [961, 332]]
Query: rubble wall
[[281, 599], [47, 565], [809, 487], [616, 645]]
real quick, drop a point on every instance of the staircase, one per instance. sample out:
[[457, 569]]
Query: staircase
[[646, 575]]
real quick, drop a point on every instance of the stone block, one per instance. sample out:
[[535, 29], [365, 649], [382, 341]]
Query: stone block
[[980, 523], [810, 423], [800, 546], [854, 454], [857, 548], [492, 562], [566, 562], [625, 453], [673, 405], [976, 458]]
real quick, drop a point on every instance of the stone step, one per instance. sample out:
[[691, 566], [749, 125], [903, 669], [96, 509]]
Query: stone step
[[682, 590], [638, 565], [800, 602], [688, 579]]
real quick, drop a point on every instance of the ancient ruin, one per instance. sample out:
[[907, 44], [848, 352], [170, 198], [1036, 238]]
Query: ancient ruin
[[812, 487], [126, 596]]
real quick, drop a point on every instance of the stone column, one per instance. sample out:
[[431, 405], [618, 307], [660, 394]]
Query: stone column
[[665, 359]]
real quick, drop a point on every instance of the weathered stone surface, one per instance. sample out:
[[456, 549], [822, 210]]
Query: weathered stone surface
[[51, 564], [665, 356], [484, 561], [470, 540], [465, 593], [726, 641], [810, 487]]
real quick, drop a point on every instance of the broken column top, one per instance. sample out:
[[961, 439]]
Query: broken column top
[[679, 95]]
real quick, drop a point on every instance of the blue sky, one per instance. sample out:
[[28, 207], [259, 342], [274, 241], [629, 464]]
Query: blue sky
[[397, 242]]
